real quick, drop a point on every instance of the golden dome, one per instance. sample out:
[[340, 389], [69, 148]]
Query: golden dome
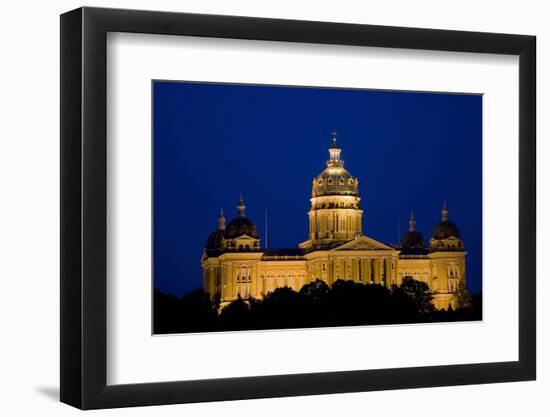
[[335, 179]]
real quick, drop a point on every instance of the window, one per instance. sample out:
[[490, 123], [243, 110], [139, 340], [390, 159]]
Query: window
[[452, 285], [452, 271]]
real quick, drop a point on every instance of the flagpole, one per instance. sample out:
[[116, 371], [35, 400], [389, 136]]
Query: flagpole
[[266, 228], [398, 232]]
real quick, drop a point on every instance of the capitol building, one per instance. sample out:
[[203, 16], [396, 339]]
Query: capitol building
[[235, 264]]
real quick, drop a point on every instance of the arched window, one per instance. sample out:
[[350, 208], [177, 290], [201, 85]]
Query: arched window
[[244, 273], [330, 181]]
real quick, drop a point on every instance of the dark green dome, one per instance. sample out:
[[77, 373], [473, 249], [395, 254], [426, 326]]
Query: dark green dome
[[215, 239], [445, 229], [412, 239], [240, 226]]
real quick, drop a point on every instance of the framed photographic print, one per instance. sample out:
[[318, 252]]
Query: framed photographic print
[[257, 207]]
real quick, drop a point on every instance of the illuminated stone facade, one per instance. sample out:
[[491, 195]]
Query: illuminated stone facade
[[234, 263]]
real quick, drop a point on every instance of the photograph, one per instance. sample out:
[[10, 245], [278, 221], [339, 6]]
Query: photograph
[[285, 207], [267, 205]]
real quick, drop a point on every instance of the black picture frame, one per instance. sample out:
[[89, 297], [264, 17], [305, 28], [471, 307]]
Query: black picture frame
[[84, 207]]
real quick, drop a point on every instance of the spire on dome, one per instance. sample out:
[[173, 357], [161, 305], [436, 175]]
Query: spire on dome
[[334, 135], [444, 212], [412, 241], [334, 151], [241, 206], [412, 223], [221, 220]]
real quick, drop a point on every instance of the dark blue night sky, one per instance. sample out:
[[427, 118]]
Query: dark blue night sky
[[410, 151]]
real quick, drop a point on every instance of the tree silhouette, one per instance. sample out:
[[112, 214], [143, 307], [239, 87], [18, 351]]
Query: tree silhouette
[[316, 291], [315, 298], [280, 309], [348, 300], [198, 312], [166, 316], [463, 297], [317, 304], [194, 312], [417, 297], [235, 316]]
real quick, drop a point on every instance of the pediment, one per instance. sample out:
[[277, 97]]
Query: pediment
[[244, 237], [363, 243], [447, 239]]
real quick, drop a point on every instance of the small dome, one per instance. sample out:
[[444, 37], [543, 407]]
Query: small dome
[[240, 226], [412, 240], [215, 239], [445, 229]]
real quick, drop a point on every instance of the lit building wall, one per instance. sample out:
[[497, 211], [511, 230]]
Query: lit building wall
[[234, 264]]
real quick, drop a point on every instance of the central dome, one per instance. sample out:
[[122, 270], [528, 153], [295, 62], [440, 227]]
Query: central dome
[[335, 179]]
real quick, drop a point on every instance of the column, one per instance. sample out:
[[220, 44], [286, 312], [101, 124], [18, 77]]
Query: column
[[370, 268], [355, 269], [365, 271], [377, 270]]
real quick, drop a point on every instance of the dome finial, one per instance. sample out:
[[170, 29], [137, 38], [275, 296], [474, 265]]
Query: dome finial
[[412, 223], [444, 212], [221, 220], [241, 206], [334, 151]]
